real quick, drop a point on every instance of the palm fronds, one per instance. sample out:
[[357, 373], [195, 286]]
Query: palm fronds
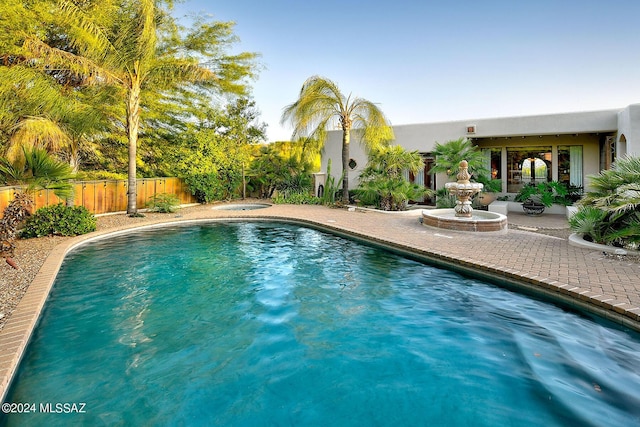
[[321, 106], [612, 208], [449, 155]]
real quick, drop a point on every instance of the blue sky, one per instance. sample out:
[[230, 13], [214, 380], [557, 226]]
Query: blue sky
[[430, 61]]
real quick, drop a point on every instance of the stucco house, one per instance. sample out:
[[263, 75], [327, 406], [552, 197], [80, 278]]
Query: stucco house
[[563, 147]]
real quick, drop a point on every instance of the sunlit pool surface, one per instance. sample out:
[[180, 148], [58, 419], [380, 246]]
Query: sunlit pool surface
[[274, 324]]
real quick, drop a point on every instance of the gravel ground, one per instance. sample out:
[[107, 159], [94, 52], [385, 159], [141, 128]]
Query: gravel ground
[[30, 254]]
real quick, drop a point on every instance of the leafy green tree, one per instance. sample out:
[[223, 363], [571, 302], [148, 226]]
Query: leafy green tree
[[321, 106], [69, 131], [212, 154], [282, 166], [382, 182], [138, 48], [43, 106], [270, 169]]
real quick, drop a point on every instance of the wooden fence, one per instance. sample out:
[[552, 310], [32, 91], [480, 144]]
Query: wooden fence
[[106, 196]]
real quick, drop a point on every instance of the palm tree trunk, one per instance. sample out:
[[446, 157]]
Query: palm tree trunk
[[74, 162], [133, 124], [346, 138]]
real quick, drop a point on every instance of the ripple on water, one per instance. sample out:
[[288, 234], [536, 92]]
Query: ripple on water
[[257, 323]]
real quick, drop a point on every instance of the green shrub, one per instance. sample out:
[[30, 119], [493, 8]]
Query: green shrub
[[301, 198], [163, 202], [59, 220], [382, 182], [590, 222], [295, 183], [444, 199], [221, 185], [99, 176], [610, 212], [546, 193]]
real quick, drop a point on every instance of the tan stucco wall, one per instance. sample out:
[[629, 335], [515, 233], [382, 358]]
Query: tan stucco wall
[[589, 142]]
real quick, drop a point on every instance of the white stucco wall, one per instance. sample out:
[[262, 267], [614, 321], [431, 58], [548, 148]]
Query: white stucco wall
[[422, 137], [628, 138]]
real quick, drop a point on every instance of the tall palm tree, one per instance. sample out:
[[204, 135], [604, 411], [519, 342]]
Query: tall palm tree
[[134, 45], [321, 107]]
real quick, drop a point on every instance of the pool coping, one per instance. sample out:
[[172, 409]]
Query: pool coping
[[16, 334]]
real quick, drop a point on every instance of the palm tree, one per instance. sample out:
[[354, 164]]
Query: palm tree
[[393, 160], [121, 43], [382, 182], [321, 107], [449, 155], [68, 130], [615, 193], [35, 169]]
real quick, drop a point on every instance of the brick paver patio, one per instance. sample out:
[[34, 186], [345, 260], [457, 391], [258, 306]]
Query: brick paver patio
[[534, 262]]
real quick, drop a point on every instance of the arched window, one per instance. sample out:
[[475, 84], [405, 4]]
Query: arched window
[[534, 170], [622, 146]]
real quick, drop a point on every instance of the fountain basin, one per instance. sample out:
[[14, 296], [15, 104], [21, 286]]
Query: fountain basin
[[480, 221]]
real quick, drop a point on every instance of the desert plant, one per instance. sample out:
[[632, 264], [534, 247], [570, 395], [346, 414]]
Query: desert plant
[[590, 222], [612, 209], [388, 194], [616, 190], [33, 170], [489, 185], [444, 200], [331, 188], [296, 198], [163, 202], [295, 183], [382, 183], [59, 220]]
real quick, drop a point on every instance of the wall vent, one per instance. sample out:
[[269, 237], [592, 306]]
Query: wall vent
[[471, 129]]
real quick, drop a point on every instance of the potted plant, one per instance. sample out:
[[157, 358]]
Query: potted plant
[[489, 191], [536, 197]]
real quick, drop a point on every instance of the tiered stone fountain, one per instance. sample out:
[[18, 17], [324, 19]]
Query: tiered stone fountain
[[463, 217]]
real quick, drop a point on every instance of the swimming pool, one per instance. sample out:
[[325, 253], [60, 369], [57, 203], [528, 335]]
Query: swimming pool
[[256, 323]]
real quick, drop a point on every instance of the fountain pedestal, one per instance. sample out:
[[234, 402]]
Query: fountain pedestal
[[463, 190], [462, 217]]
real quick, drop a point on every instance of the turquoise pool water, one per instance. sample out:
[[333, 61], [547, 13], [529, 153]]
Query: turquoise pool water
[[274, 324]]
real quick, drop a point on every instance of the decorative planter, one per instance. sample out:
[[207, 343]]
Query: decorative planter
[[532, 208], [486, 198]]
